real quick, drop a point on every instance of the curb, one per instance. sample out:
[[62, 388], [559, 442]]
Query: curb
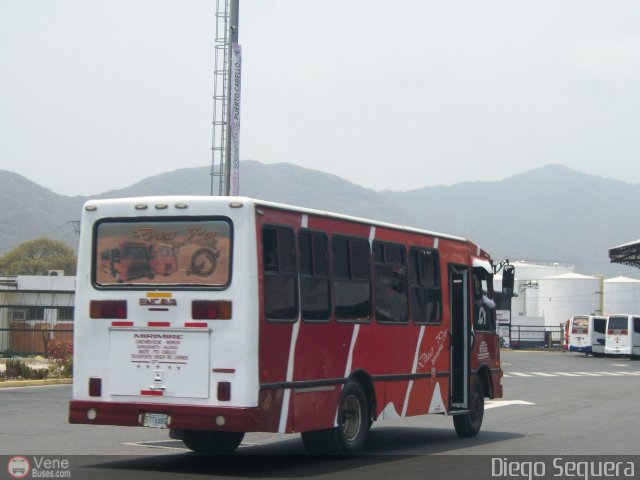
[[524, 350], [35, 383]]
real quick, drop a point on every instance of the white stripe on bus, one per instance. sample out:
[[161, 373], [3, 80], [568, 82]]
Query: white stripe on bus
[[414, 369]]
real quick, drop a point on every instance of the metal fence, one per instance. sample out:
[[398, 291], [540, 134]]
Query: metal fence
[[23, 338], [535, 337], [34, 339]]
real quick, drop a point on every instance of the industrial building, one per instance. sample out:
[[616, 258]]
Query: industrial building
[[35, 310]]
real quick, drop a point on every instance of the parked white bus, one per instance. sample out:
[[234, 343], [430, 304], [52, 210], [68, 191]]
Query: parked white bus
[[618, 339], [581, 333], [598, 336]]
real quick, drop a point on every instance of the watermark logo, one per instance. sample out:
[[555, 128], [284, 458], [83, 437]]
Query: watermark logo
[[18, 467], [38, 467], [561, 468]]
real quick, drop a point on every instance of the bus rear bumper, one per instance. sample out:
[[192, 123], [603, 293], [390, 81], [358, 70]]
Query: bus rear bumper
[[617, 351], [179, 417], [580, 349]]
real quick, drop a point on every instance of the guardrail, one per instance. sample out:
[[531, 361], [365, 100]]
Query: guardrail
[[523, 337]]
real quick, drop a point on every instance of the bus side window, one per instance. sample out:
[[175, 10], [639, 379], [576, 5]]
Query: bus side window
[[426, 300], [352, 279], [315, 298], [390, 270], [280, 279]]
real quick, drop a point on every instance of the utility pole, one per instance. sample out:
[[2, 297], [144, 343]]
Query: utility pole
[[233, 102], [226, 100]]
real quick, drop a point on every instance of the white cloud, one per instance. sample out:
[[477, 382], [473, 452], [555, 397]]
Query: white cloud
[[614, 60]]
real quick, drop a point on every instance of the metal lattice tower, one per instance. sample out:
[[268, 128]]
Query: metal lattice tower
[[226, 33]]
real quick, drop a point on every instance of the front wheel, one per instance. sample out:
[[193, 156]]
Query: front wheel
[[468, 424], [203, 441]]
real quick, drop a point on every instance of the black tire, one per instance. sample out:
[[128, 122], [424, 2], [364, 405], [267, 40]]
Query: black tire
[[203, 262], [468, 424], [203, 441], [353, 424]]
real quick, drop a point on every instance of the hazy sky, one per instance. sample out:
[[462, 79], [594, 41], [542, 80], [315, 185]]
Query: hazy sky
[[99, 94]]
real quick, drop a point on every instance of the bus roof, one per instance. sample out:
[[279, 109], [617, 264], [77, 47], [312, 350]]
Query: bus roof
[[256, 203]]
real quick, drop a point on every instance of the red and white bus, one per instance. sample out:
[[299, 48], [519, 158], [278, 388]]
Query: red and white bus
[[279, 319]]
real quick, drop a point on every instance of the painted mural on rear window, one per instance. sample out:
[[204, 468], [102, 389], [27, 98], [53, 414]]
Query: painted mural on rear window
[[163, 253]]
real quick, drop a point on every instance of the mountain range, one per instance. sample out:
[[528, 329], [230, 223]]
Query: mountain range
[[550, 214]]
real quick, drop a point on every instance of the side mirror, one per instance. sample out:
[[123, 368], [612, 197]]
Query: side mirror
[[508, 276]]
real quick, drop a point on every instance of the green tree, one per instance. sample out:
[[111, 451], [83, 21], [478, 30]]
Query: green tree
[[37, 257]]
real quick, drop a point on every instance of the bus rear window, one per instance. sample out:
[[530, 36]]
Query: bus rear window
[[581, 322], [162, 252], [618, 323]]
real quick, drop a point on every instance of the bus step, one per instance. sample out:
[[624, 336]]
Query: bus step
[[459, 411]]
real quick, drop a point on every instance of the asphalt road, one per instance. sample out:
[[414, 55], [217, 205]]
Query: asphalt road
[[554, 404]]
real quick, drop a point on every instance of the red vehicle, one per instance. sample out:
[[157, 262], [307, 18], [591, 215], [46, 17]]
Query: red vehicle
[[127, 261], [309, 322], [163, 259], [565, 337]]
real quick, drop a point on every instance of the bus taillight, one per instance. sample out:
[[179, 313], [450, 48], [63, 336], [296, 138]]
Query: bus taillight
[[211, 310], [224, 391], [108, 309], [95, 387], [624, 332]]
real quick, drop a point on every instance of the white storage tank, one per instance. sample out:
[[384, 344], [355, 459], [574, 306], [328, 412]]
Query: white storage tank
[[536, 271], [525, 306], [562, 296], [621, 295]]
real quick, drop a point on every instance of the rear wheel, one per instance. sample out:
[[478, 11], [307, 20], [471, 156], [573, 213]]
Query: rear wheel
[[468, 424], [353, 424], [203, 441]]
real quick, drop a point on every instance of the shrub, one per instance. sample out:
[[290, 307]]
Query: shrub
[[61, 353], [18, 369]]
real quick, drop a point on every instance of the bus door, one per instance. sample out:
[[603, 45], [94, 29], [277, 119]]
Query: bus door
[[599, 329], [635, 339], [459, 349]]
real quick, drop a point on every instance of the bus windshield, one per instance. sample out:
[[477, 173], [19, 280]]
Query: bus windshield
[[162, 252]]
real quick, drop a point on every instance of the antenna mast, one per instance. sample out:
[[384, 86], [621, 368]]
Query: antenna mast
[[225, 143]]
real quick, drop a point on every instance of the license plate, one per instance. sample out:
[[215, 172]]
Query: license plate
[[155, 420]]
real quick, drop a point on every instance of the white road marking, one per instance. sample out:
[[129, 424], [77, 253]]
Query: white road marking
[[157, 444], [153, 445], [504, 403], [570, 374]]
